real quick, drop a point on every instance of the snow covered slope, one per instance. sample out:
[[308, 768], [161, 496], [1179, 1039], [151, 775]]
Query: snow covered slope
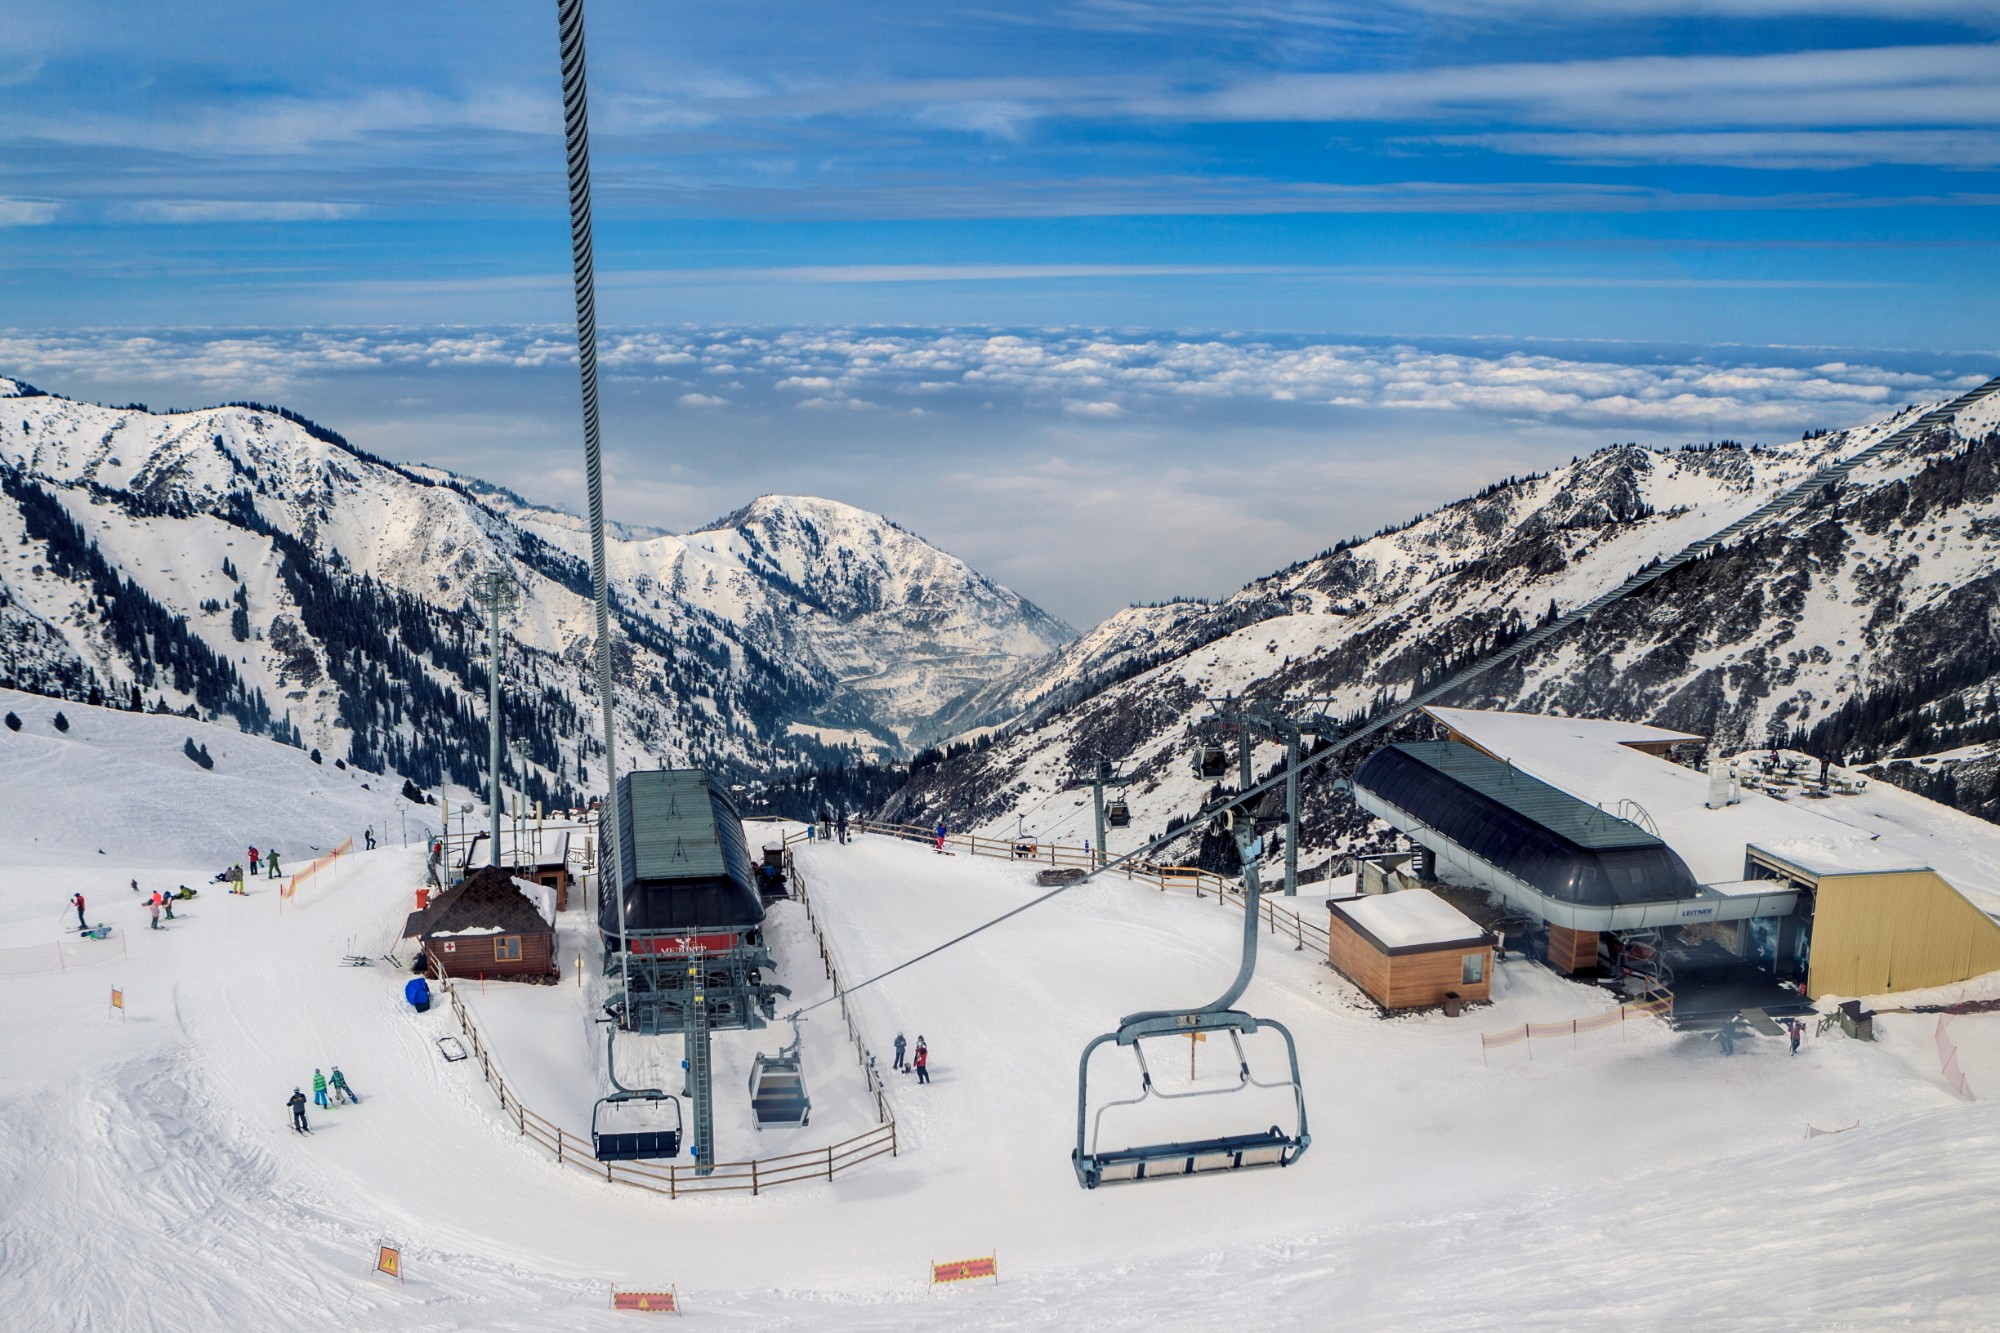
[[257, 566], [1861, 624], [151, 1182]]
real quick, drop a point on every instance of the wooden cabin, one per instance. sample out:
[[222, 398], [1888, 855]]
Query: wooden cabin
[[490, 924], [1409, 950]]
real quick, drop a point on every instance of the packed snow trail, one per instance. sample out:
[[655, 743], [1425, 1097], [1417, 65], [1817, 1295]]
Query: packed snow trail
[[149, 1176]]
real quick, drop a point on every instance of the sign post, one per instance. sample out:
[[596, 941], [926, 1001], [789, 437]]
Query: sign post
[[389, 1260], [118, 1000]]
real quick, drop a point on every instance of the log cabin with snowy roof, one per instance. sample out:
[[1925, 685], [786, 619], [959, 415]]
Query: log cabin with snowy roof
[[490, 924]]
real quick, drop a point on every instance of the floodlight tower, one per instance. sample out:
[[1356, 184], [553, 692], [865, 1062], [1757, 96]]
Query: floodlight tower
[[495, 593]]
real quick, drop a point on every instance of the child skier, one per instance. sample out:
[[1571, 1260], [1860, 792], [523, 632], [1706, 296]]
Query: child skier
[[77, 902], [319, 1090], [340, 1088], [166, 900], [940, 840], [153, 910], [297, 1101], [923, 1061]]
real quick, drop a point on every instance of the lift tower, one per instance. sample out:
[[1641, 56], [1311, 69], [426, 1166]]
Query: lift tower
[[1103, 774], [1289, 722], [495, 593]]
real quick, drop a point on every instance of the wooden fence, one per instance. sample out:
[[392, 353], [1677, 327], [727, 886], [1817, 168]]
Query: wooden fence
[[671, 1178], [1282, 921], [861, 1051]]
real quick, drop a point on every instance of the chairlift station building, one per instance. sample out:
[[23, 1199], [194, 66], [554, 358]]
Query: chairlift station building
[[1590, 827]]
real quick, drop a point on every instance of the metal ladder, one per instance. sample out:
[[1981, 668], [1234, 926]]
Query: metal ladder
[[700, 1080]]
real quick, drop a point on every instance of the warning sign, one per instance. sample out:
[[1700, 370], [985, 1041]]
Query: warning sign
[[966, 1270], [652, 1302], [389, 1260]]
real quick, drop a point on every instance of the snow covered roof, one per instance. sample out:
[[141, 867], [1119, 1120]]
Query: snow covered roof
[[483, 900], [548, 848], [1594, 762], [1412, 919]]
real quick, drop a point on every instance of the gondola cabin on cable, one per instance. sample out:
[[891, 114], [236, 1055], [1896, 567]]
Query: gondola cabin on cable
[[1117, 813], [490, 924]]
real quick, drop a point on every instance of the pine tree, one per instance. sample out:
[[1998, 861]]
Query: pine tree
[[62, 723]]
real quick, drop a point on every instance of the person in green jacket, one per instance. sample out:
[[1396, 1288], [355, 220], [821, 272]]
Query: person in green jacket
[[340, 1088], [319, 1089]]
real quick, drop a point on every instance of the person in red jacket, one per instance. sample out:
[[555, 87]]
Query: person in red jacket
[[253, 863], [923, 1061], [77, 903]]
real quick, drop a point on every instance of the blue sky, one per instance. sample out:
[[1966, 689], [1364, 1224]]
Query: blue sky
[[1548, 196]]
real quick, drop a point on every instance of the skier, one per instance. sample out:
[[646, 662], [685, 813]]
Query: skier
[[253, 862], [165, 900], [940, 843], [319, 1090], [340, 1088], [899, 1050], [840, 827], [135, 886], [153, 909], [369, 834], [297, 1101], [1798, 1031], [270, 862], [923, 1061], [77, 903]]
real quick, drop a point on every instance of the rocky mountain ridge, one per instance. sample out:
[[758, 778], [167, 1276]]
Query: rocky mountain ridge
[[243, 561], [1863, 624]]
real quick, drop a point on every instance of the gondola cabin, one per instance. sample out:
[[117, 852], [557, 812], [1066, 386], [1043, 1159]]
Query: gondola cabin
[[684, 870], [1118, 814], [490, 924]]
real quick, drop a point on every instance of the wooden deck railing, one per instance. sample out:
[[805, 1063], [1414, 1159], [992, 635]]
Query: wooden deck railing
[[671, 1178], [1282, 921]]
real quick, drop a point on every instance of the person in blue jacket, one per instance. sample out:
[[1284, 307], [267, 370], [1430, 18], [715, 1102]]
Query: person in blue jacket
[[418, 993]]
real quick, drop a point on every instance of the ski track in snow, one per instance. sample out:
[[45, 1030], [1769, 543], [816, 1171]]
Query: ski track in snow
[[148, 1178]]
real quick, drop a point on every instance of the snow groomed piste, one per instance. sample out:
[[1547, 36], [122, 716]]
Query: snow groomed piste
[[153, 1180]]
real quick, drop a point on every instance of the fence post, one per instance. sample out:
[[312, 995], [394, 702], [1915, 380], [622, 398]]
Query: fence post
[[753, 1177], [829, 1161]]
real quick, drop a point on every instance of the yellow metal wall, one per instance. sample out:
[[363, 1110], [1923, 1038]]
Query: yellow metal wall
[[1895, 932]]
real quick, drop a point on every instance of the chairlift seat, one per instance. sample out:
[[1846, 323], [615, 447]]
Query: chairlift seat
[[635, 1144], [1272, 1147]]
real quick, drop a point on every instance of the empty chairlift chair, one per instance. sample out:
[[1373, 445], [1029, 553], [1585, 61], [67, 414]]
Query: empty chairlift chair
[[778, 1097], [634, 1124], [1272, 1146]]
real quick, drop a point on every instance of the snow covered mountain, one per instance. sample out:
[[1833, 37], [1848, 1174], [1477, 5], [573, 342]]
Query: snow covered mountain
[[1863, 624], [246, 562]]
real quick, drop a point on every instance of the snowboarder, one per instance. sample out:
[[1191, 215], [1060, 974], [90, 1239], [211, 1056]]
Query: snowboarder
[[899, 1050], [253, 861], [297, 1101], [238, 880], [340, 1088], [369, 834], [319, 1090], [923, 1061], [77, 902], [940, 845], [166, 900], [271, 862], [1797, 1031], [153, 910]]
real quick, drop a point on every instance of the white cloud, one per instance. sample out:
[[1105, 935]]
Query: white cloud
[[234, 210], [700, 400], [26, 212]]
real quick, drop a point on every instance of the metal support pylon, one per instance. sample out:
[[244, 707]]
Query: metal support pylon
[[700, 1086]]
